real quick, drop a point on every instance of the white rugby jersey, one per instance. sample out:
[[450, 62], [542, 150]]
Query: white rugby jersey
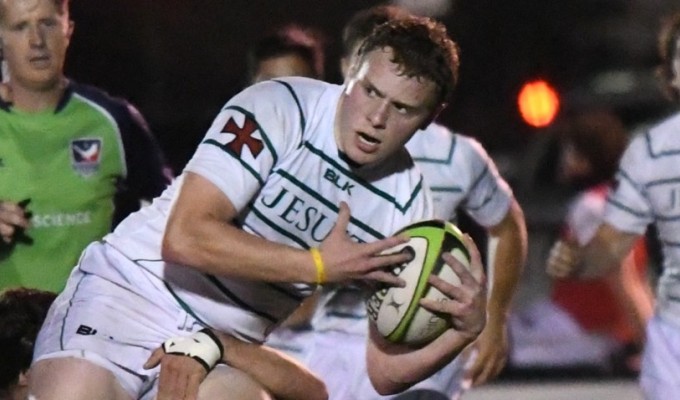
[[272, 151], [648, 191], [460, 174]]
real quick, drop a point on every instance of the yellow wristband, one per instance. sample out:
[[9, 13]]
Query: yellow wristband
[[318, 263]]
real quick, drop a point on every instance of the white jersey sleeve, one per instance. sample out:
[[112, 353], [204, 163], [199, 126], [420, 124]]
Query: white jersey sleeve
[[247, 138], [629, 208], [460, 174]]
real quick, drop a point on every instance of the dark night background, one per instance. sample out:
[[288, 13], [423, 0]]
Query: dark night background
[[178, 61]]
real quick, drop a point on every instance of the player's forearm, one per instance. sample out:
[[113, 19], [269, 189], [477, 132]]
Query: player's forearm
[[282, 376], [632, 291], [302, 316], [222, 249], [605, 251], [508, 250], [393, 369]]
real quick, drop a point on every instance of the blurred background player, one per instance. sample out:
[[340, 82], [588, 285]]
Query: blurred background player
[[22, 312], [646, 192], [601, 321], [292, 50], [74, 160], [619, 305], [461, 176]]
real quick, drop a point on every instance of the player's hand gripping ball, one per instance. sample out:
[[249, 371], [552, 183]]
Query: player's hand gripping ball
[[395, 310]]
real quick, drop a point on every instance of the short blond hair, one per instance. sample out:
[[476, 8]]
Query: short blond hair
[[62, 7], [421, 47]]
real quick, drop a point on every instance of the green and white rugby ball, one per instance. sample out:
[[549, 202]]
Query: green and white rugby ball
[[395, 310]]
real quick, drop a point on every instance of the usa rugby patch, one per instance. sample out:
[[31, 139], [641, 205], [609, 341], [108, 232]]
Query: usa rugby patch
[[86, 155]]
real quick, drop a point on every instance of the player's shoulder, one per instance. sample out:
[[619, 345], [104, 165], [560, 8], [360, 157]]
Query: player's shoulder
[[291, 97], [96, 95], [434, 142], [303, 85], [100, 100], [469, 145], [439, 145], [433, 134], [297, 89], [667, 125], [661, 139]]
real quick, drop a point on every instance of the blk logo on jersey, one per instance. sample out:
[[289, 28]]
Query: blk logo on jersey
[[86, 330], [243, 137], [86, 155], [341, 183]]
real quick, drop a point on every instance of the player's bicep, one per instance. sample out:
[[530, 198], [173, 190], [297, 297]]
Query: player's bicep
[[197, 213], [199, 198]]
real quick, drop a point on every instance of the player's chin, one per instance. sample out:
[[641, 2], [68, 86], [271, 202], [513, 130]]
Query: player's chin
[[368, 161], [358, 158], [365, 157]]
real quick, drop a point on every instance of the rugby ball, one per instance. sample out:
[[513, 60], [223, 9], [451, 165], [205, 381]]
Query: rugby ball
[[395, 310]]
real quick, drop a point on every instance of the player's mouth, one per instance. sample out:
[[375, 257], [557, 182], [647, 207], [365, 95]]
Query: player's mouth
[[40, 61], [367, 143]]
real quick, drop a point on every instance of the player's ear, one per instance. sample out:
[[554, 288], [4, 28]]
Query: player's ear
[[434, 114], [351, 67], [350, 74], [344, 66], [69, 29], [23, 378]]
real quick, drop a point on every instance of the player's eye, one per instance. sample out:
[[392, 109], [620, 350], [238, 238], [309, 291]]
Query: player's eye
[[401, 109], [19, 27], [49, 23]]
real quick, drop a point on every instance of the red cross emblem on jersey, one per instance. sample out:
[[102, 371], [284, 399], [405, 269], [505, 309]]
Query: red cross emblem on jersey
[[243, 137]]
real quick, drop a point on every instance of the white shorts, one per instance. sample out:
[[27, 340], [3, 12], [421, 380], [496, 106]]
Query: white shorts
[[113, 325], [340, 360], [660, 374]]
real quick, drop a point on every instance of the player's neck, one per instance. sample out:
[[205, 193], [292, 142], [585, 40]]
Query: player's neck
[[34, 101]]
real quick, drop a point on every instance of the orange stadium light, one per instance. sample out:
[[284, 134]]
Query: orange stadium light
[[538, 103]]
